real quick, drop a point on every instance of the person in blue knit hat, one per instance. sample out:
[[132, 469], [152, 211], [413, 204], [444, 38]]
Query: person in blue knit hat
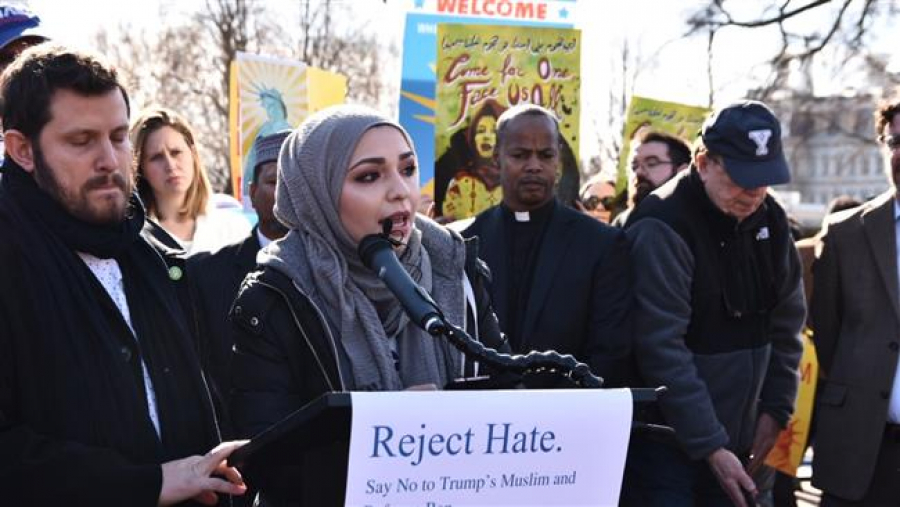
[[19, 30]]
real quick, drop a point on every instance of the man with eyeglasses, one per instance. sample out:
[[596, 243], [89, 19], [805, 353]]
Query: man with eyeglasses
[[718, 310], [855, 316], [656, 159]]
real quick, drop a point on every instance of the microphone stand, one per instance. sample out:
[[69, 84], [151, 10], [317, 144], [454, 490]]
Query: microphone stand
[[564, 365], [551, 361], [431, 319]]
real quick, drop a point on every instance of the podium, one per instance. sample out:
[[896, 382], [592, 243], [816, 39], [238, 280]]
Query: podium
[[303, 459], [310, 445]]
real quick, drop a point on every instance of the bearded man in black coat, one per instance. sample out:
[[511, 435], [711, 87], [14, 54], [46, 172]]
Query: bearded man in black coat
[[101, 393]]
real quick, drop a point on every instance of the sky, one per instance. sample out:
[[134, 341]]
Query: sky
[[610, 22], [674, 67]]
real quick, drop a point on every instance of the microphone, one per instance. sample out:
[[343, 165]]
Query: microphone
[[377, 254]]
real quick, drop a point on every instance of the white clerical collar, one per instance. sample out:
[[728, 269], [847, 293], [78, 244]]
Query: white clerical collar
[[263, 240], [522, 216]]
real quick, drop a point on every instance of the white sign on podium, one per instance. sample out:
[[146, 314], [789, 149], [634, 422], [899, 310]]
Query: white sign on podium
[[468, 448]]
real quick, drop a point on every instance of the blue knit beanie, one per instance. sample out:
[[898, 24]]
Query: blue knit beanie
[[16, 23]]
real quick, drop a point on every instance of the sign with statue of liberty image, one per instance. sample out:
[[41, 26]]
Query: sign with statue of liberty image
[[482, 71], [268, 95]]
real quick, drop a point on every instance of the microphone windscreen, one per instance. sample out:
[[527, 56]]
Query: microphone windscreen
[[369, 246]]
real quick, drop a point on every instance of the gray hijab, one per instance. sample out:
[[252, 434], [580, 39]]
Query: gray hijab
[[321, 260]]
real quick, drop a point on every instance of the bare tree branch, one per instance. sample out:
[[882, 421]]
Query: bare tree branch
[[798, 48], [705, 19], [834, 28], [186, 65], [864, 16]]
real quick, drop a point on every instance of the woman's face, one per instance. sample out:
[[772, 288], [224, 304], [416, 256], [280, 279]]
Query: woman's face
[[167, 163], [382, 184], [594, 198], [486, 136]]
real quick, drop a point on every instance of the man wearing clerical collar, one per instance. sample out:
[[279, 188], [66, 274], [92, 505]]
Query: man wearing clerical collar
[[560, 279]]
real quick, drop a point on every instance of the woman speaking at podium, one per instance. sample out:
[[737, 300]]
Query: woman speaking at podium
[[312, 318]]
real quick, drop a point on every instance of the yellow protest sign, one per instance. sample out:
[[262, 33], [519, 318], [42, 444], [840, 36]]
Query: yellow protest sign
[[644, 113], [791, 444], [482, 71]]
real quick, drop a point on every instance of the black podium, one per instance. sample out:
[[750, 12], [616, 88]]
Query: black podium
[[302, 460]]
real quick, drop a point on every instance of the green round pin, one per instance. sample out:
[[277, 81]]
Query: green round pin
[[175, 273]]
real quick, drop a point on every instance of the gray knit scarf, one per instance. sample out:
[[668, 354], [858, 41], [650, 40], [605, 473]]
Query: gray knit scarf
[[321, 260]]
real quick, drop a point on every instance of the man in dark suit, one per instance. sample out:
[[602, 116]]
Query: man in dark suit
[[560, 279], [217, 276], [855, 315]]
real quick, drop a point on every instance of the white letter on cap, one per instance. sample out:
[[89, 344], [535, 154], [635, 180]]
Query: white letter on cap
[[761, 138]]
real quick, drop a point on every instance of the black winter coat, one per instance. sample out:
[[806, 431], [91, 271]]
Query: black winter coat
[[74, 424], [285, 356]]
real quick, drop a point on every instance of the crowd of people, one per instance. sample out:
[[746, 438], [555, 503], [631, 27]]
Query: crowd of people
[[145, 335]]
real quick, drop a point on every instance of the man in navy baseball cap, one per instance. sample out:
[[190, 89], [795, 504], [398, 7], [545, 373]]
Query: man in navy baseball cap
[[747, 136], [718, 309]]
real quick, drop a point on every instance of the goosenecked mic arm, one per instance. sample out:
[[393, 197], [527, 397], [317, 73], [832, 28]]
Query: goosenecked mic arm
[[377, 253]]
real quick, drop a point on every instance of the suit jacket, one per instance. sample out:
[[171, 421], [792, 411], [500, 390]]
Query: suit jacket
[[581, 291], [215, 280], [855, 315], [806, 248]]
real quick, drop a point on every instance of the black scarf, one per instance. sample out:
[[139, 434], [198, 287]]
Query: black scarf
[[84, 380], [104, 241]]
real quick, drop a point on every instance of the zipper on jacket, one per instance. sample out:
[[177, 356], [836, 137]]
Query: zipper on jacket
[[331, 339], [306, 337]]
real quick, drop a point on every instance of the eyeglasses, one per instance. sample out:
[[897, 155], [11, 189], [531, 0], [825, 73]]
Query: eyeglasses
[[649, 164], [591, 203], [891, 141]]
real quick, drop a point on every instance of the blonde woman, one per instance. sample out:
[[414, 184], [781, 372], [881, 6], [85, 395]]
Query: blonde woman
[[174, 187]]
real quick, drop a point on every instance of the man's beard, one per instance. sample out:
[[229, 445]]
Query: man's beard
[[77, 203], [642, 188]]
